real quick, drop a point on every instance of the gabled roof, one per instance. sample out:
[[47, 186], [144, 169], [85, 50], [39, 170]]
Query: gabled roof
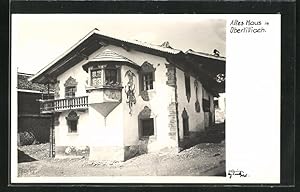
[[109, 55], [190, 51], [98, 39], [95, 40], [165, 47]]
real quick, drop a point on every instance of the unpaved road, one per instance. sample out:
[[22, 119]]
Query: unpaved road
[[201, 160]]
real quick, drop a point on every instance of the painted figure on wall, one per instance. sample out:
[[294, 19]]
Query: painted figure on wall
[[130, 90]]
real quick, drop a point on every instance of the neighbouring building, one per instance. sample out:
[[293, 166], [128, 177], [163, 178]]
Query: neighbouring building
[[220, 108], [116, 98], [30, 121]]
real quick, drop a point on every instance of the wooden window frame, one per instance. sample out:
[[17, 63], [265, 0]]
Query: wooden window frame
[[70, 84], [148, 81], [70, 91], [103, 69], [107, 74], [97, 77], [147, 77]]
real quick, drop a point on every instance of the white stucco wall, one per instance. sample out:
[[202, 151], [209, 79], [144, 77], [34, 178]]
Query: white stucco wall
[[196, 120], [160, 97], [120, 128], [93, 128]]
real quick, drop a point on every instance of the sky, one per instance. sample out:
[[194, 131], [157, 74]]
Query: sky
[[38, 39]]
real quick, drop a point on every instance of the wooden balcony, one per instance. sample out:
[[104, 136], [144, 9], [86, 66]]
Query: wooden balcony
[[58, 105]]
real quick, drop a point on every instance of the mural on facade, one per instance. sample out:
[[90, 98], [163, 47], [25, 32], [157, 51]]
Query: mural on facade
[[130, 90]]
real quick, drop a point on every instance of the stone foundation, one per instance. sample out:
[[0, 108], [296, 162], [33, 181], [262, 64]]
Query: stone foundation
[[71, 151], [116, 153]]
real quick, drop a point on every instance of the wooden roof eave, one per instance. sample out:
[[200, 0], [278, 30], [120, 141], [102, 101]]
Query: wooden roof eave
[[68, 61], [205, 77], [210, 64], [98, 41]]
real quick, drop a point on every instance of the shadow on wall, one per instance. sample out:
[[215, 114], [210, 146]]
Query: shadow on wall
[[23, 157]]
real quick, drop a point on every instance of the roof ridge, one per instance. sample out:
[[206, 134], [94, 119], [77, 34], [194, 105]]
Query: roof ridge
[[142, 43], [204, 53]]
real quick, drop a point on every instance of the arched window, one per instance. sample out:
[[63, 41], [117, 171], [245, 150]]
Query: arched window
[[185, 123], [70, 87], [72, 121], [146, 123], [147, 76]]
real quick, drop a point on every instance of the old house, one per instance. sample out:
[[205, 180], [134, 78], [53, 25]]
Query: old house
[[114, 97]]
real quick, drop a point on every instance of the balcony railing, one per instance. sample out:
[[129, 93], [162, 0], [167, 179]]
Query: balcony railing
[[50, 106]]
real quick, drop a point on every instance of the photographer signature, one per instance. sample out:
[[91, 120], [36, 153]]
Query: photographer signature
[[233, 172]]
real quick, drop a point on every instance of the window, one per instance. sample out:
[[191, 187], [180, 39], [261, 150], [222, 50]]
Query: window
[[147, 81], [206, 105], [96, 79], [146, 123], [187, 87], [70, 87], [185, 127], [72, 121], [73, 126], [110, 76], [147, 127], [185, 123], [216, 104], [70, 91], [147, 77]]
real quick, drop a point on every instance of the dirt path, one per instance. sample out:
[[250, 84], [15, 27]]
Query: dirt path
[[202, 159]]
